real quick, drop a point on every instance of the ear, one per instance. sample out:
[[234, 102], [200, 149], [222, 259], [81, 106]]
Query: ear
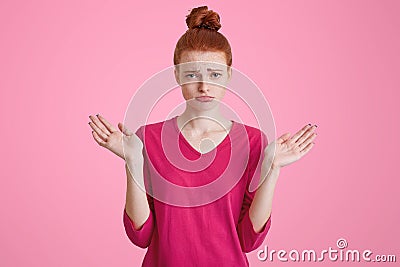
[[176, 73], [229, 73]]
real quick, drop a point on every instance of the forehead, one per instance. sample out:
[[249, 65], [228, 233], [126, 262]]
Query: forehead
[[202, 59], [188, 56]]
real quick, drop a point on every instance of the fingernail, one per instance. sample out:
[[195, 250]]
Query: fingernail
[[309, 124], [316, 125], [97, 114]]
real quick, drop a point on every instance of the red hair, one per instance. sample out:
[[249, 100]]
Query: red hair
[[203, 35]]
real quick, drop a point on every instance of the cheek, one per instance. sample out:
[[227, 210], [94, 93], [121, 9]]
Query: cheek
[[187, 91], [221, 92]]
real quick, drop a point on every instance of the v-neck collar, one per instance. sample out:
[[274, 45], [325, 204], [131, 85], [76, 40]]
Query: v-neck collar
[[219, 146]]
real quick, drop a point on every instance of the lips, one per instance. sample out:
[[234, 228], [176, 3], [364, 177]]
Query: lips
[[204, 98]]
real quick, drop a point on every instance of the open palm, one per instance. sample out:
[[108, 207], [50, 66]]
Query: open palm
[[290, 149], [118, 142]]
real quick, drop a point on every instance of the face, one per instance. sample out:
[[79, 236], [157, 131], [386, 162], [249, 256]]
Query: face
[[203, 83]]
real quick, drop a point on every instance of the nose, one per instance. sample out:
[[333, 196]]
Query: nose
[[203, 87]]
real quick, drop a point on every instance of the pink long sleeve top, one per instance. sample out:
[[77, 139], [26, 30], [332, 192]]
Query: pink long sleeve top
[[218, 233]]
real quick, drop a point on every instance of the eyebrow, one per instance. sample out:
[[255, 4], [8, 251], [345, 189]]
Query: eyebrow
[[209, 69]]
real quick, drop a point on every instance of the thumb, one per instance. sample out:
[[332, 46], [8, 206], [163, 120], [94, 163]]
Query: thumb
[[124, 130], [283, 138]]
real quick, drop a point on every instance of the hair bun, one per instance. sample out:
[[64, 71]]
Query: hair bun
[[201, 17]]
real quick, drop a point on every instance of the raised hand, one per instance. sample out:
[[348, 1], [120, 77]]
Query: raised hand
[[290, 149], [118, 142]]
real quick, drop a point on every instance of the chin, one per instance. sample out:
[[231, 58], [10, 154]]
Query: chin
[[202, 106]]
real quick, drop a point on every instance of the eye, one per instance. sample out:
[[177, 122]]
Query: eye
[[191, 75], [217, 74]]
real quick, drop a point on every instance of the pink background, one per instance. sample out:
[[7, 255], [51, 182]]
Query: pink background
[[333, 63]]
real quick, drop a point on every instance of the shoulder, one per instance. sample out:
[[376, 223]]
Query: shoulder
[[255, 135], [153, 126], [153, 129]]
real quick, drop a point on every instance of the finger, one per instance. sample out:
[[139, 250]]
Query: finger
[[99, 132], [98, 139], [307, 148], [307, 134], [99, 124], [307, 141], [283, 138], [124, 129], [300, 133], [108, 125]]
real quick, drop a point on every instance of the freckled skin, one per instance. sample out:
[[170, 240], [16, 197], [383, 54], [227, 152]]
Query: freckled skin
[[193, 89]]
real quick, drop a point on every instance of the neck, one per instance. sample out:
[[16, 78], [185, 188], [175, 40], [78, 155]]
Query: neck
[[202, 121]]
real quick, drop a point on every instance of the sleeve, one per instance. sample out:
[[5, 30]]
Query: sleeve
[[248, 237], [141, 237]]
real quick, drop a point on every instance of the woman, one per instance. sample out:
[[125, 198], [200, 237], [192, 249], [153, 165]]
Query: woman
[[220, 232]]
